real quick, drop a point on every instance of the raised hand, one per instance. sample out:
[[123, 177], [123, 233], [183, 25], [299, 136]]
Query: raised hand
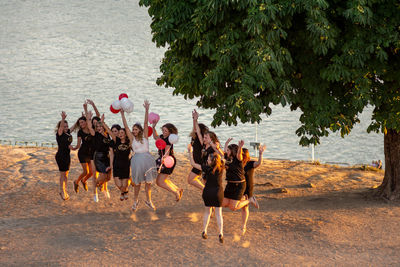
[[146, 104], [241, 143], [195, 115], [228, 141], [90, 102], [63, 115], [262, 148]]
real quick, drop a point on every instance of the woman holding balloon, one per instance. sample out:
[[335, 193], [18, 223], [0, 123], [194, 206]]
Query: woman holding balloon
[[166, 161], [144, 169]]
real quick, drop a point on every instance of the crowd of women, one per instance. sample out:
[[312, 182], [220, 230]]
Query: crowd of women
[[124, 154]]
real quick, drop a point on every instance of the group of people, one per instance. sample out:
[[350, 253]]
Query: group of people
[[124, 153]]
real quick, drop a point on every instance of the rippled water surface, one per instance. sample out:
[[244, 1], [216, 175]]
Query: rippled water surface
[[55, 54]]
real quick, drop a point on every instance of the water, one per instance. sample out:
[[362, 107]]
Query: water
[[56, 54]]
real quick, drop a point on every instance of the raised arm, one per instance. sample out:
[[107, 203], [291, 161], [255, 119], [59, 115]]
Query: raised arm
[[89, 123], [146, 106], [194, 164], [227, 144], [239, 154], [155, 134], [126, 126], [260, 156], [217, 148], [94, 107], [62, 123], [113, 137], [196, 126]]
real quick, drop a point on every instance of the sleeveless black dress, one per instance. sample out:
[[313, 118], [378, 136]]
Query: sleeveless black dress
[[86, 151], [63, 157], [213, 193], [101, 154], [122, 162]]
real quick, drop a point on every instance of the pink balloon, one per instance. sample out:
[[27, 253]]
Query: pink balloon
[[169, 162], [160, 144], [153, 117], [123, 95]]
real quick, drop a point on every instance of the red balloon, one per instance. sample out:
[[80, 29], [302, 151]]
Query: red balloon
[[123, 95], [150, 131], [160, 144], [113, 110]]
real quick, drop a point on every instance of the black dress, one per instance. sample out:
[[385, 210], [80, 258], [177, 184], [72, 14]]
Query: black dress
[[205, 152], [122, 162], [213, 193], [249, 173], [236, 181], [63, 157], [86, 151], [161, 152], [197, 152], [101, 154]]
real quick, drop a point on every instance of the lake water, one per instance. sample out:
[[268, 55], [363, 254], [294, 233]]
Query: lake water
[[55, 54]]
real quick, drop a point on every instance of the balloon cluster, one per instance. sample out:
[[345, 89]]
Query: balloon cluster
[[122, 102]]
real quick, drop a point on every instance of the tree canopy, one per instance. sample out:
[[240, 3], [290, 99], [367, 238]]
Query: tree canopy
[[329, 59]]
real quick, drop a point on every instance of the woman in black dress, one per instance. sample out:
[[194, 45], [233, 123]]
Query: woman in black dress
[[120, 156], [249, 168], [63, 158], [164, 172], [101, 155], [197, 136], [85, 153], [213, 194], [236, 181]]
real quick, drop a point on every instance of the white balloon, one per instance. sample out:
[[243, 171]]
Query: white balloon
[[129, 109], [124, 103], [173, 138], [116, 105]]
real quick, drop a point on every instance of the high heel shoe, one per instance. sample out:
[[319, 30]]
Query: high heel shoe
[[221, 238], [204, 235]]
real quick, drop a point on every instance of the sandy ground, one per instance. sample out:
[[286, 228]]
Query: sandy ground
[[330, 224]]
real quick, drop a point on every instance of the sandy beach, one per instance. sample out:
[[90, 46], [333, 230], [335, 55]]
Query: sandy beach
[[310, 215]]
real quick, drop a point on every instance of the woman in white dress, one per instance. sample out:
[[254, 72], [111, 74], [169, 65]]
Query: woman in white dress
[[143, 165]]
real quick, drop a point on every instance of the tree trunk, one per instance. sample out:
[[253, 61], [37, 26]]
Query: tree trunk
[[390, 187]]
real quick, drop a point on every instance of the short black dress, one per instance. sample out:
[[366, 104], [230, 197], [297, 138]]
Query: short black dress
[[249, 173], [101, 154], [122, 162], [205, 152], [86, 151], [236, 181], [161, 153], [197, 152], [63, 157], [213, 193]]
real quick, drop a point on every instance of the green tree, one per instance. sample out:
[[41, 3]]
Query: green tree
[[328, 58]]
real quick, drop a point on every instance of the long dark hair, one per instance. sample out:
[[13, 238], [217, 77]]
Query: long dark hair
[[171, 128], [234, 149], [203, 130], [216, 163], [246, 156]]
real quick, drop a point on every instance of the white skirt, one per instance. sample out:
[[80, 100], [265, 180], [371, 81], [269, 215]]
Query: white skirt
[[143, 167]]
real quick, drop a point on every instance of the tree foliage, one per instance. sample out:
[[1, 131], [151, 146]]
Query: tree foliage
[[328, 58]]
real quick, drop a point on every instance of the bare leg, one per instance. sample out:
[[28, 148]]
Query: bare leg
[[193, 179], [125, 184], [90, 172], [148, 191], [84, 173], [63, 181], [163, 182], [136, 192], [245, 217], [118, 183]]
